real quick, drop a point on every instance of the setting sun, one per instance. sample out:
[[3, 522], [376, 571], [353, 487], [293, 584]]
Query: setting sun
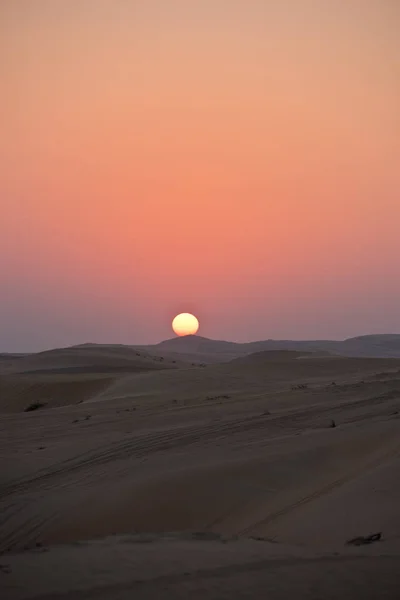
[[185, 324]]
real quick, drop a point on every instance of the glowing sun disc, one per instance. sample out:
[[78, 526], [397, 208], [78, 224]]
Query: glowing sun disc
[[185, 324]]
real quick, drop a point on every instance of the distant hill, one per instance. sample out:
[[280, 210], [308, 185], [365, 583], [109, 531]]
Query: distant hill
[[190, 349], [200, 349]]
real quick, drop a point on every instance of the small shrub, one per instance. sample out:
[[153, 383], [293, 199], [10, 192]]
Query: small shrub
[[300, 386], [35, 406]]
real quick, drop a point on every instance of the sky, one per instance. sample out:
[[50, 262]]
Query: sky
[[238, 159]]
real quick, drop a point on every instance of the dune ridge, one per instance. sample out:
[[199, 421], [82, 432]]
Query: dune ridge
[[168, 478]]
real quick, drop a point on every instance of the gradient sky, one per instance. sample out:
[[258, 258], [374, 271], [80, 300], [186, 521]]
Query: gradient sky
[[239, 159]]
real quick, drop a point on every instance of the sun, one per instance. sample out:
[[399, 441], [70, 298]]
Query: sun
[[185, 324]]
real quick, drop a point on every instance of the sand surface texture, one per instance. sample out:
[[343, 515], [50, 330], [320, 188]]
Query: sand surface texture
[[143, 476]]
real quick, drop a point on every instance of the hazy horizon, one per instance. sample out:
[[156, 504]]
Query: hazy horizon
[[234, 159], [167, 339]]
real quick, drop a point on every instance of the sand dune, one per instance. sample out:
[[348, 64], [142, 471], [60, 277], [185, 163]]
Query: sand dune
[[245, 377], [69, 375], [91, 358], [18, 393], [228, 478]]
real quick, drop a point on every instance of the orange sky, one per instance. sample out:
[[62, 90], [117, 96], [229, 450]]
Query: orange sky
[[234, 158]]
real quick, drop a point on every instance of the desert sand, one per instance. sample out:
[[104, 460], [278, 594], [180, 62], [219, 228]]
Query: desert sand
[[145, 476]]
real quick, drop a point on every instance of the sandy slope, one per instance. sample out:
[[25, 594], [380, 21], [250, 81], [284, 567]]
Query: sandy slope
[[239, 450], [126, 567], [92, 358], [70, 375]]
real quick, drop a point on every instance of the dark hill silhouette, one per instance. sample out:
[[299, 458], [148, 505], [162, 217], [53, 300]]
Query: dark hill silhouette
[[196, 349], [200, 349]]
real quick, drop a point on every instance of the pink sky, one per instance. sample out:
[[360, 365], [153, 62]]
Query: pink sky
[[237, 159]]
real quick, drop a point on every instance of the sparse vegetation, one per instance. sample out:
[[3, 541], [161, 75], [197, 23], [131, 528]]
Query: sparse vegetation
[[300, 386], [368, 539], [35, 406]]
